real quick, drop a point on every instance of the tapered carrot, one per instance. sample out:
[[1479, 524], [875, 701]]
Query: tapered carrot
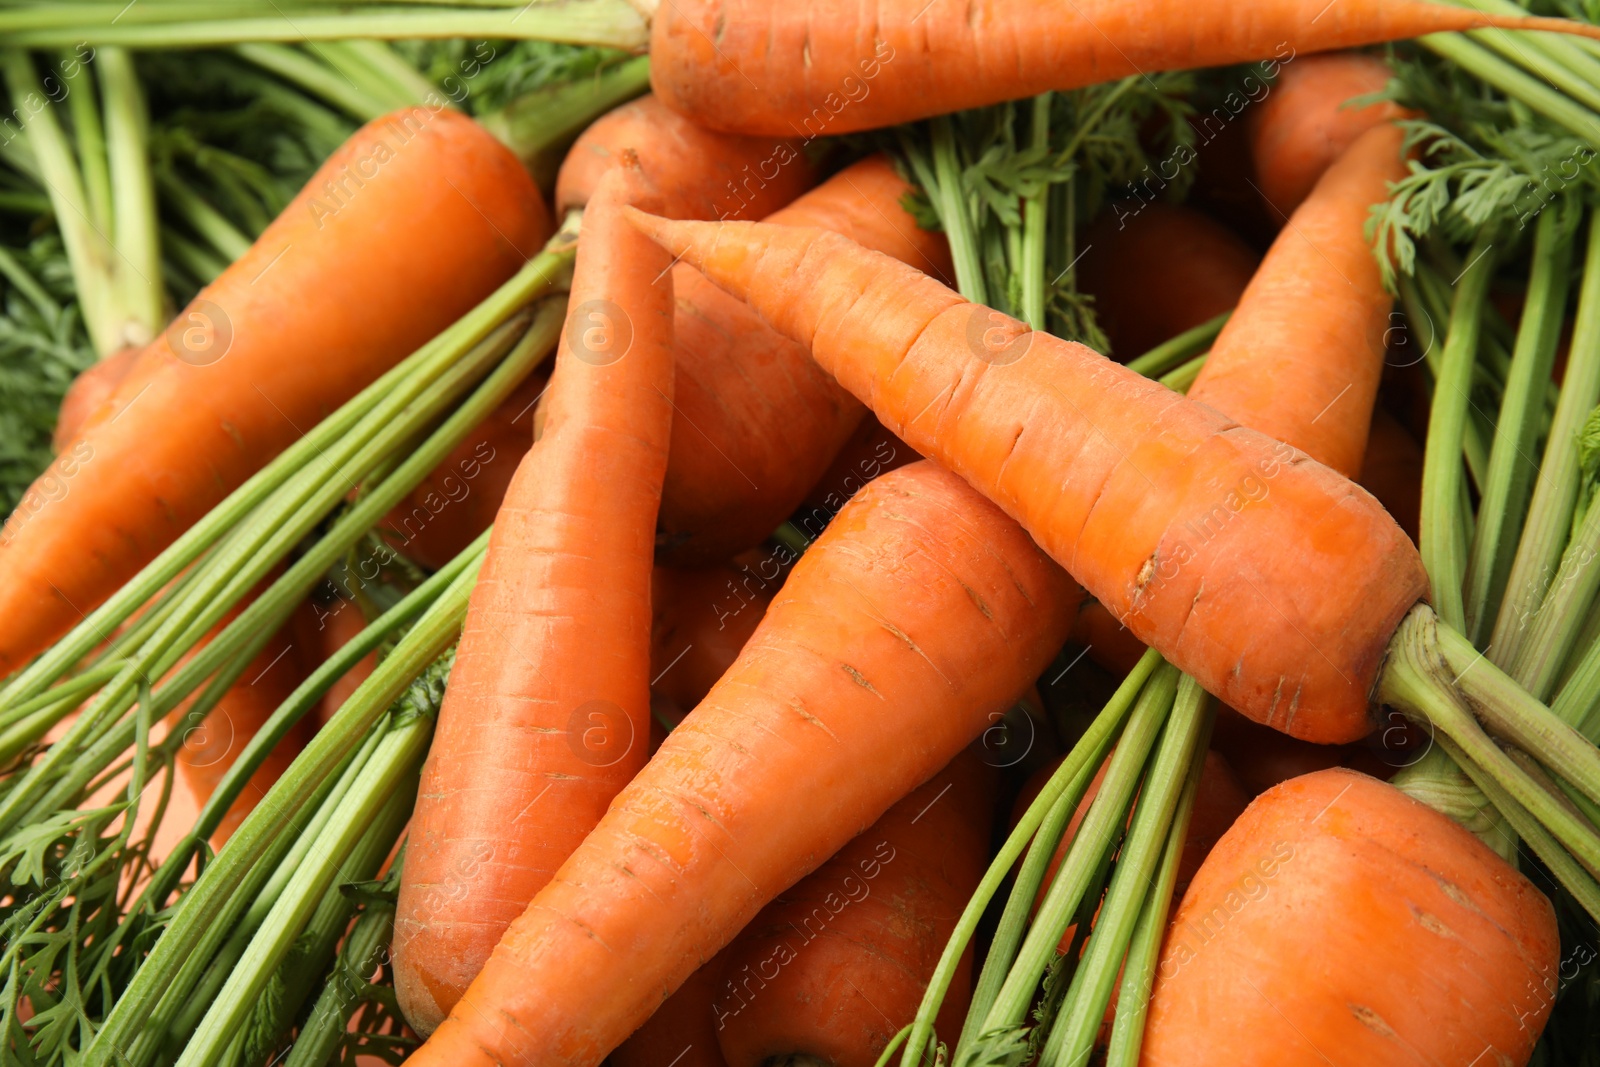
[[1305, 123], [755, 66], [919, 613], [683, 1031], [700, 173], [1246, 978], [1156, 270], [408, 225], [829, 971], [548, 707], [701, 618], [1301, 357], [757, 422], [1186, 526], [88, 399]]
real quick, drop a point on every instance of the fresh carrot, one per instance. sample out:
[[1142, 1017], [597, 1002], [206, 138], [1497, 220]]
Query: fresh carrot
[[701, 174], [757, 422], [1186, 526], [457, 501], [1301, 357], [1246, 979], [754, 66], [832, 968], [921, 611], [548, 708], [1156, 270], [683, 1031], [701, 618], [88, 399], [1305, 123], [406, 227]]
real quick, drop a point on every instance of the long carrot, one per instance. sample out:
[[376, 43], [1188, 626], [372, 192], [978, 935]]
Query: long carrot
[[1188, 527], [548, 708], [755, 66], [408, 225], [1246, 980], [757, 422], [829, 971], [1305, 123], [700, 173], [920, 612], [1156, 270]]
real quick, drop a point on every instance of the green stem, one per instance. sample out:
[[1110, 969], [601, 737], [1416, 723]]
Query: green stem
[[91, 140], [1443, 542], [407, 85], [541, 125], [136, 231], [319, 79], [1559, 622], [1171, 354], [950, 200], [1035, 217], [1519, 85]]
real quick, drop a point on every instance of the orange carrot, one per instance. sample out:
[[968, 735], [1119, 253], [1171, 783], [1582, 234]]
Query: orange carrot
[[757, 422], [1303, 124], [755, 66], [701, 174], [1156, 270], [832, 968], [683, 1031], [919, 613], [1301, 358], [701, 619], [548, 708], [1301, 940], [406, 227], [1186, 526], [88, 399]]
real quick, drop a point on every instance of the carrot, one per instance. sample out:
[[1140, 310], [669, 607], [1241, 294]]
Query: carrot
[[701, 174], [919, 613], [1186, 526], [339, 623], [1304, 123], [548, 707], [683, 1031], [1246, 979], [832, 968], [1156, 270], [701, 619], [754, 66], [407, 226], [457, 501], [88, 399], [1301, 357], [757, 422]]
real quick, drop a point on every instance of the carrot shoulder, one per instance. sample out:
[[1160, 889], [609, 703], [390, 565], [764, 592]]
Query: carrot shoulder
[[921, 611], [1188, 527], [547, 713], [405, 228]]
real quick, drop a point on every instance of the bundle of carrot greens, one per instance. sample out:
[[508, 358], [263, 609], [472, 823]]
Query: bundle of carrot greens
[[532, 575]]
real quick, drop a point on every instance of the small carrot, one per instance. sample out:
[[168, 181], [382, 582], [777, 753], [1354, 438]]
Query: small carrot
[[1301, 357], [415, 219], [700, 173], [683, 1031], [1186, 526], [921, 611], [1156, 270], [1245, 979], [1305, 123], [548, 708], [755, 66], [701, 618], [832, 968], [757, 422]]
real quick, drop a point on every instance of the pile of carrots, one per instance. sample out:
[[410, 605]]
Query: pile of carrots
[[792, 541]]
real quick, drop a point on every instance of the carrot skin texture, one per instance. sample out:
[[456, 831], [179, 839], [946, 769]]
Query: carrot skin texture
[[1186, 526], [89, 398], [699, 172], [1440, 952], [548, 710], [757, 421], [855, 942], [418, 202], [754, 66], [920, 612], [1303, 125]]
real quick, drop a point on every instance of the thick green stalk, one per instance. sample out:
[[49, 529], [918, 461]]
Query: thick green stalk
[[1549, 521], [1512, 466], [1035, 216], [1171, 354], [1443, 540], [318, 79], [951, 203], [407, 85], [91, 137], [1556, 628], [357, 69], [135, 233], [1517, 84]]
